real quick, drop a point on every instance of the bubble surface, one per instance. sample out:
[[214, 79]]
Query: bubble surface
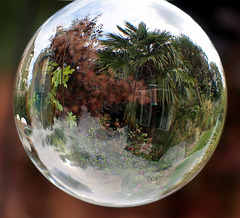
[[120, 103]]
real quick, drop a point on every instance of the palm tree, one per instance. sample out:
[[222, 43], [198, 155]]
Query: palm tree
[[134, 47], [125, 53]]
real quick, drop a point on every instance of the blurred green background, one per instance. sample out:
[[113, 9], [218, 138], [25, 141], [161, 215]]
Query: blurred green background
[[25, 193], [19, 20]]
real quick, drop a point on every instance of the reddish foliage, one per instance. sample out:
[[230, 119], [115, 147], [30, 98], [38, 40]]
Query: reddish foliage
[[88, 86]]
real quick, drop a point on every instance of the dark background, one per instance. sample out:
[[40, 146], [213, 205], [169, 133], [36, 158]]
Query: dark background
[[25, 193]]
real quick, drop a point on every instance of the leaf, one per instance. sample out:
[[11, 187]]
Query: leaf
[[123, 31], [56, 78], [71, 120], [54, 64]]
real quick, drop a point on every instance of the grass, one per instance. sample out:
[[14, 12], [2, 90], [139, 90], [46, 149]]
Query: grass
[[202, 141]]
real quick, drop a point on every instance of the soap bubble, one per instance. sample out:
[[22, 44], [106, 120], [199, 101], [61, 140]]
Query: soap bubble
[[120, 103]]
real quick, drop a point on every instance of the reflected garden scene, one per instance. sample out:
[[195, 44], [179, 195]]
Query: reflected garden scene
[[120, 111]]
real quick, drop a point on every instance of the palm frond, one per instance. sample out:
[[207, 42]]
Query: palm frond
[[125, 32], [130, 27], [142, 31], [116, 42]]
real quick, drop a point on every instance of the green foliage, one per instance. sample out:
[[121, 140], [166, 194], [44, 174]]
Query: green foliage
[[217, 83], [20, 106], [205, 138], [71, 120], [58, 139], [34, 102], [60, 77], [59, 80], [51, 98]]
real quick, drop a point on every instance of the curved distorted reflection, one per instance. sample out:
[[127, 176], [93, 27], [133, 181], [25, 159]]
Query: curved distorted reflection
[[120, 110]]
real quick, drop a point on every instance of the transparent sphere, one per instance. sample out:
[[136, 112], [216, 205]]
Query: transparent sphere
[[120, 103]]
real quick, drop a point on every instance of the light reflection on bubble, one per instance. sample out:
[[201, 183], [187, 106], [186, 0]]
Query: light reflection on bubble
[[120, 109]]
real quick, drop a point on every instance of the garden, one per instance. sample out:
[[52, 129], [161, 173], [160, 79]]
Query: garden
[[139, 99]]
